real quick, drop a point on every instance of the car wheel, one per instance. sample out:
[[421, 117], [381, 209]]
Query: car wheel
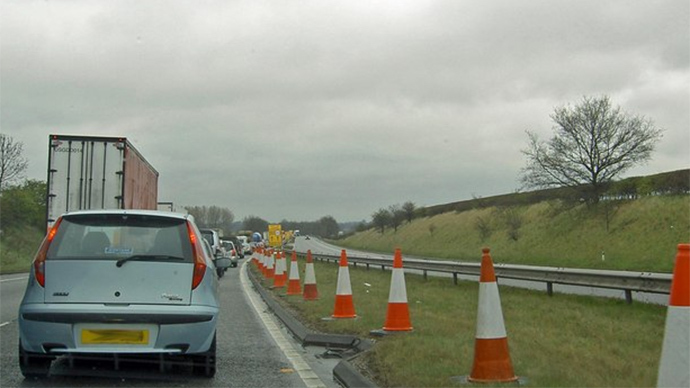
[[33, 365], [205, 363]]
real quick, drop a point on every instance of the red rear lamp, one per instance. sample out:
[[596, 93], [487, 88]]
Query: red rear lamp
[[198, 253], [40, 259]]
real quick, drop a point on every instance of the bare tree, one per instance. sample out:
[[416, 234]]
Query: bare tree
[[593, 144], [212, 217], [397, 216], [328, 226], [199, 214], [255, 224], [381, 218], [12, 163], [409, 208], [220, 218]]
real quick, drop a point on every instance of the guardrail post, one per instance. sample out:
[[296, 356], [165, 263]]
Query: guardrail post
[[628, 296], [425, 274], [549, 288], [455, 278], [367, 266], [383, 267]]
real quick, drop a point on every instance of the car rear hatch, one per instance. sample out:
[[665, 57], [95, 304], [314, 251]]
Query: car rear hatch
[[120, 259]]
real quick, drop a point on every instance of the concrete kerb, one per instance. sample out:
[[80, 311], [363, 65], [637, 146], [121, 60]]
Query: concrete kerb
[[352, 347]]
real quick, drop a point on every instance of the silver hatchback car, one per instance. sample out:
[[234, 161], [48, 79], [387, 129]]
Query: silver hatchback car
[[126, 284]]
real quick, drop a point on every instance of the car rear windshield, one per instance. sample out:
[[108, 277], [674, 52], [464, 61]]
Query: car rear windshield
[[118, 236]]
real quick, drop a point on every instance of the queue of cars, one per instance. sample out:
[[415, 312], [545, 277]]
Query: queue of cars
[[124, 284]]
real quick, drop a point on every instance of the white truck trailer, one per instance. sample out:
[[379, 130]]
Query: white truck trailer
[[89, 172]]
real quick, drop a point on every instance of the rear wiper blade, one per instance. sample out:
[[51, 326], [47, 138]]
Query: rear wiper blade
[[120, 262]]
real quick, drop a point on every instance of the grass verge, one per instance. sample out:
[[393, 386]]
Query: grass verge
[[559, 341], [18, 248]]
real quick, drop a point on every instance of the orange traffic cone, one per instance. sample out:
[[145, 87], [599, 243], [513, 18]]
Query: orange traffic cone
[[264, 263], [310, 290], [294, 287], [256, 257], [398, 315], [675, 353], [270, 266], [344, 306], [491, 357], [280, 277]]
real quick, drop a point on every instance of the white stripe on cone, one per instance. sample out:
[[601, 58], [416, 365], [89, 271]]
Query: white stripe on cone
[[309, 275], [294, 271], [343, 287], [490, 315], [398, 293]]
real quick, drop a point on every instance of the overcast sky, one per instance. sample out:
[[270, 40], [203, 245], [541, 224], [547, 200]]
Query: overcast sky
[[300, 109]]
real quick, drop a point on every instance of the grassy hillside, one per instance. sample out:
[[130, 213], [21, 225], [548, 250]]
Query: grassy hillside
[[641, 234]]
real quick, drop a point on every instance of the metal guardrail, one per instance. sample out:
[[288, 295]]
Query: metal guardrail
[[627, 281]]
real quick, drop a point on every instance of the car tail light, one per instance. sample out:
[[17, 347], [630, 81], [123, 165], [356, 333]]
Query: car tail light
[[40, 259], [233, 252], [199, 262]]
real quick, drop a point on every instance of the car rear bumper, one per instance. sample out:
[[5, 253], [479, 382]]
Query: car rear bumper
[[55, 328]]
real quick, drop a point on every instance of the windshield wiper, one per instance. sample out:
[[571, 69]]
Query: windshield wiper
[[120, 262]]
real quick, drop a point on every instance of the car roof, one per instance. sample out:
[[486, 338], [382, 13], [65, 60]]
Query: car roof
[[132, 212]]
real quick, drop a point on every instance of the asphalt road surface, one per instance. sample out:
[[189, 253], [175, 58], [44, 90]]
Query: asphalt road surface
[[254, 349]]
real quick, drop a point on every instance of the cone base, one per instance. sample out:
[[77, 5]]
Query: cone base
[[509, 380], [407, 328]]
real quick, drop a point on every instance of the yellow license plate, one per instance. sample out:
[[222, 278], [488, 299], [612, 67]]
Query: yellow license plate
[[114, 337]]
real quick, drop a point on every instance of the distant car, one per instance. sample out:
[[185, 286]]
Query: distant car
[[123, 284], [222, 263], [238, 244], [246, 247], [213, 239], [230, 252]]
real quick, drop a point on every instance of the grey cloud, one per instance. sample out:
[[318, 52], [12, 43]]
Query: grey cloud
[[296, 111]]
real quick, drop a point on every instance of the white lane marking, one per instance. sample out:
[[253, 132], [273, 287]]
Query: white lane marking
[[13, 279], [311, 379], [4, 324]]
